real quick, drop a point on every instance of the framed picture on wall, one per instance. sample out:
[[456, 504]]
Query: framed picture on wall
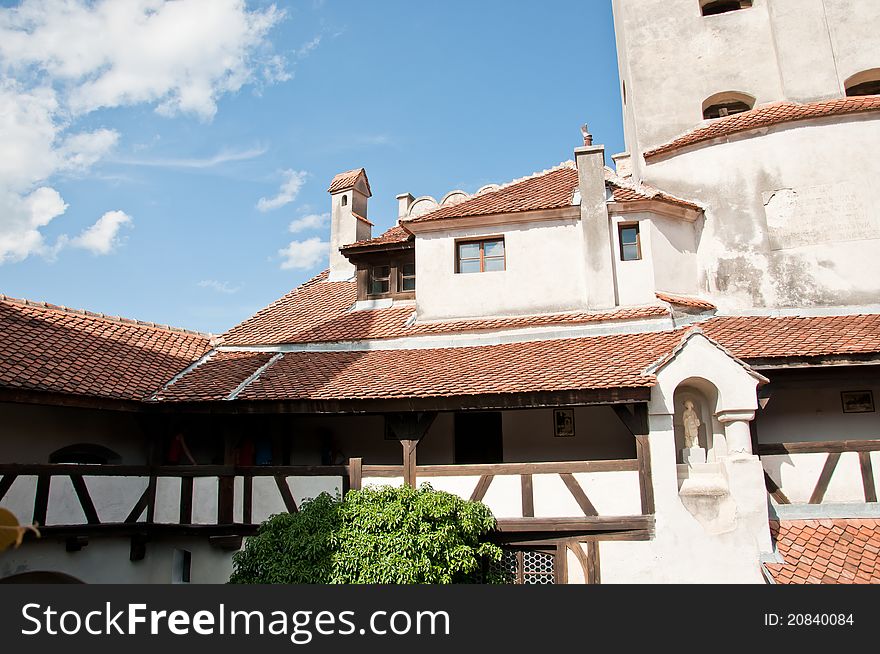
[[563, 423], [857, 401]]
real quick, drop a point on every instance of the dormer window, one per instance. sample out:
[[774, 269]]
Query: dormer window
[[865, 83], [714, 7], [380, 280], [486, 255], [727, 104], [407, 280]]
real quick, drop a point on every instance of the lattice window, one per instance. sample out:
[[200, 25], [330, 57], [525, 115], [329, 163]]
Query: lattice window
[[524, 566]]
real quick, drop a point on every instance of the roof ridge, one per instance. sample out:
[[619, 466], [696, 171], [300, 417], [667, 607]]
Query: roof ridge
[[568, 163], [102, 316]]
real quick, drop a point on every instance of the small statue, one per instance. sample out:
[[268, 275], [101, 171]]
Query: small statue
[[691, 426]]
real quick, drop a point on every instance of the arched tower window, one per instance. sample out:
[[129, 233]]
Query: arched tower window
[[713, 7], [85, 453], [344, 200], [865, 83], [727, 104]]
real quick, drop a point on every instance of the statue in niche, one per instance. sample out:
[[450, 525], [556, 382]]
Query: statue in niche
[[691, 423]]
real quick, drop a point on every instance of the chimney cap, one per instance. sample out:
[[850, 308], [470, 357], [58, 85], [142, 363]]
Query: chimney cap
[[348, 180], [585, 131]]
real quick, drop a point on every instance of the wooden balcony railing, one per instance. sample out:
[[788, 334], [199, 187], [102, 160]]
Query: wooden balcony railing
[[821, 471], [74, 499]]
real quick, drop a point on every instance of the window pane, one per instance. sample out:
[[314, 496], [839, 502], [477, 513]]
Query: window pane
[[381, 272], [408, 284], [494, 263], [469, 266], [468, 250], [630, 252], [408, 270], [380, 286], [629, 235], [494, 248]]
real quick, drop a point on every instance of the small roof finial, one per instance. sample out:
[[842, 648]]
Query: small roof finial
[[588, 138]]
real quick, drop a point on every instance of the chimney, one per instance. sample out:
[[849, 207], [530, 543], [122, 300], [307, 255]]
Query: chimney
[[595, 223], [623, 164], [349, 192], [404, 202]]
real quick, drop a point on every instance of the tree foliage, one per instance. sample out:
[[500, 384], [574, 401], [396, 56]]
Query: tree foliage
[[379, 535]]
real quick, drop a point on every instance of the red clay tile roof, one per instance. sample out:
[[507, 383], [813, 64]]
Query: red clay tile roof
[[347, 180], [763, 337], [684, 301], [550, 189], [623, 192], [599, 362], [827, 551], [767, 116], [396, 234], [319, 311], [55, 349], [217, 377]]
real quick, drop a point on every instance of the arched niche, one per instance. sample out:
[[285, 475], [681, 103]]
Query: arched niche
[[727, 103], [867, 82], [704, 395]]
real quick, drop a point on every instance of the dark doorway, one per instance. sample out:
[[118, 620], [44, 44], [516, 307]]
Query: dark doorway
[[478, 438]]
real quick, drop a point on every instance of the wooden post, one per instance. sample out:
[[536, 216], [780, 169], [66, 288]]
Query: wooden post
[[646, 482], [355, 466], [41, 500], [561, 567], [409, 462], [186, 500], [528, 497]]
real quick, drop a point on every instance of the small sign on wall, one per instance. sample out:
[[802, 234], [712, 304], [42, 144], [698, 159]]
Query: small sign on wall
[[563, 423], [857, 401]]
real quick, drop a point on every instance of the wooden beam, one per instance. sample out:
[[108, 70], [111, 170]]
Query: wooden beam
[[41, 500], [85, 500], [550, 468], [773, 449], [225, 500], [410, 426], [186, 500], [528, 539], [774, 490], [578, 493], [561, 563], [528, 496], [355, 471], [409, 461], [646, 478], [635, 420], [247, 508], [5, 484], [824, 478], [286, 495], [586, 523], [581, 556], [867, 476], [481, 488], [151, 499], [593, 566], [381, 471], [94, 470], [139, 506]]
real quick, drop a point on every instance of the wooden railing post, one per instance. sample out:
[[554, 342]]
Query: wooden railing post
[[409, 462], [355, 466]]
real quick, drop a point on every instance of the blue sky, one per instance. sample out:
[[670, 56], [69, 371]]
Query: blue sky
[[162, 138]]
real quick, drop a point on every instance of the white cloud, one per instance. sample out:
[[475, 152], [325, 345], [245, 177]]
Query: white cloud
[[220, 287], [307, 48], [310, 221], [103, 236], [62, 59], [222, 157], [293, 182], [303, 254]]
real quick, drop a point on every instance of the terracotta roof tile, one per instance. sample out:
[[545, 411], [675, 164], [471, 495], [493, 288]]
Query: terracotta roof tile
[[848, 562], [684, 301], [396, 234], [763, 337], [56, 349], [767, 116], [347, 180], [217, 377], [550, 189], [585, 363], [320, 311]]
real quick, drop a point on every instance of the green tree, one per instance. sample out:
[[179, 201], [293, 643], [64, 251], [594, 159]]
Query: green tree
[[379, 535]]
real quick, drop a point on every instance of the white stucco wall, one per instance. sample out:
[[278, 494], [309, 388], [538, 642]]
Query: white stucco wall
[[544, 272], [106, 561], [792, 222], [797, 474]]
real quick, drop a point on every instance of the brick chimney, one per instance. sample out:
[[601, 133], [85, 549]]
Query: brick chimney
[[349, 193]]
